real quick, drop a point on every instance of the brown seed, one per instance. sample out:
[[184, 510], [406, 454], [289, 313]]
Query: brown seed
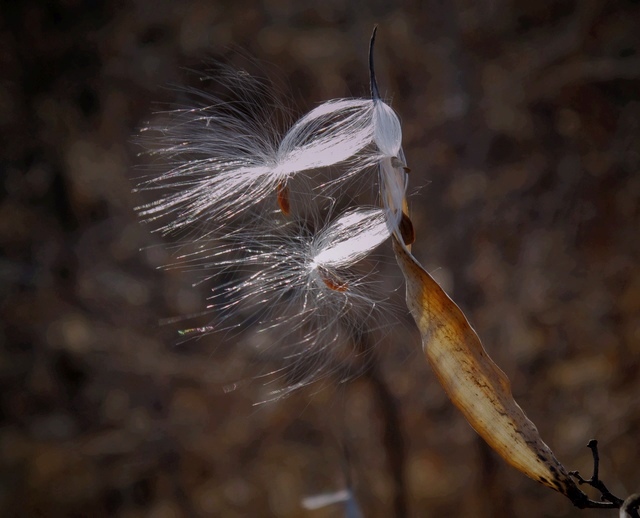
[[332, 281], [406, 230], [396, 162], [283, 198]]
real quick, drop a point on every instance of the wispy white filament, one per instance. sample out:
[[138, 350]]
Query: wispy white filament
[[331, 133], [351, 238], [294, 276], [323, 500], [291, 262], [300, 288], [344, 496], [224, 158]]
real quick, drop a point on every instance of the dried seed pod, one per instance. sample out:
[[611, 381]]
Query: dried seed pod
[[475, 384]]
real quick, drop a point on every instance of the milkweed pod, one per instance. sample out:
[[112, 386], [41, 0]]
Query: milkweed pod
[[474, 383]]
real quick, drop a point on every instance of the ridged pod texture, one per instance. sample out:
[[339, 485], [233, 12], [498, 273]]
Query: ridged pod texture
[[475, 384]]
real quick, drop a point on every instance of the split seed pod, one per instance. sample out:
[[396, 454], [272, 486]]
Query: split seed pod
[[474, 383]]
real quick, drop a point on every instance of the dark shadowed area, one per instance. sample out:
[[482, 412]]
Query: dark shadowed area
[[521, 125]]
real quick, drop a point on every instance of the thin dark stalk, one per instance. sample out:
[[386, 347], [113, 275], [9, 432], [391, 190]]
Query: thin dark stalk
[[595, 481], [392, 438]]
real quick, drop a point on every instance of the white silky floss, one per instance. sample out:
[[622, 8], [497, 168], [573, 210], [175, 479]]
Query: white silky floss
[[292, 274], [311, 273], [350, 238], [238, 165]]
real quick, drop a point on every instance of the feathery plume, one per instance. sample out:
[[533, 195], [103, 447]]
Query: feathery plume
[[297, 283], [293, 273], [225, 157]]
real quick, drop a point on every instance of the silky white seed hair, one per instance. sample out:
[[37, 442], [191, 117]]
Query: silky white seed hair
[[284, 260], [294, 276], [224, 158], [301, 288]]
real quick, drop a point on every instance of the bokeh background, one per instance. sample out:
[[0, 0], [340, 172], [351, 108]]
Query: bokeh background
[[522, 128]]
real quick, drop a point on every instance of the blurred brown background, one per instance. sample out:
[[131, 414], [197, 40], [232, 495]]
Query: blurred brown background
[[522, 127]]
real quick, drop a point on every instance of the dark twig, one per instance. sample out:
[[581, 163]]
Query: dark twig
[[595, 481], [375, 93], [392, 439]]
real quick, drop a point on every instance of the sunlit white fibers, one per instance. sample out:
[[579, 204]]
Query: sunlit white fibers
[[292, 262], [294, 279], [350, 238], [300, 290], [327, 135], [225, 157]]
